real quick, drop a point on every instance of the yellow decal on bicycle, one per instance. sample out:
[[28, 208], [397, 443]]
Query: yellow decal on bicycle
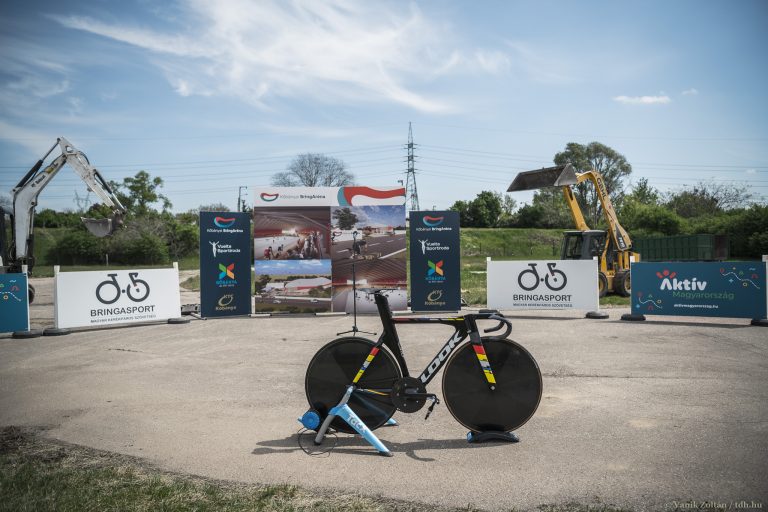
[[367, 362], [483, 358]]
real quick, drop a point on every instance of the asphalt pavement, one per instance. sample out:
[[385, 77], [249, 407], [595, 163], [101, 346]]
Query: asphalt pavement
[[647, 415]]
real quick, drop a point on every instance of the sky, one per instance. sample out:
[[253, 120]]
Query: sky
[[215, 96]]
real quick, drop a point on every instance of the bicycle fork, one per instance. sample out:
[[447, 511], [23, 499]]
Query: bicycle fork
[[343, 411]]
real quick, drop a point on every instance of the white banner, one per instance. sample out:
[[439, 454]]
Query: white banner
[[88, 299], [326, 196], [559, 284]]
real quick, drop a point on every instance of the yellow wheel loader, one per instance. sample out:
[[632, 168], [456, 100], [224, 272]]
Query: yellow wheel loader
[[613, 249]]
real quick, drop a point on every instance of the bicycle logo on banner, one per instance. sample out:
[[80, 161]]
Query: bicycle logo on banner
[[109, 291], [554, 279]]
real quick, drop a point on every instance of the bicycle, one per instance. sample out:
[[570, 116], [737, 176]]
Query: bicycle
[[551, 279], [135, 283], [491, 384]]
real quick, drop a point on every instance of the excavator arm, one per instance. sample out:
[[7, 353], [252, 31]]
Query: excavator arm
[[618, 233], [28, 189]]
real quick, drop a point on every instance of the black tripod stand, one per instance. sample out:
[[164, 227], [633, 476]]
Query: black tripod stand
[[355, 251]]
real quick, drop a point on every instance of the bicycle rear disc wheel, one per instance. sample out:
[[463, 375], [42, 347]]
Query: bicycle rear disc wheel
[[513, 401], [334, 367]]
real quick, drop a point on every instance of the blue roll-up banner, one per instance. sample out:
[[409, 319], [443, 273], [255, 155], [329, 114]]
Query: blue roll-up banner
[[14, 303], [723, 289], [225, 264], [435, 261]]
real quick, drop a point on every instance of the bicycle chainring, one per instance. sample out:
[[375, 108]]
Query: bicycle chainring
[[404, 387]]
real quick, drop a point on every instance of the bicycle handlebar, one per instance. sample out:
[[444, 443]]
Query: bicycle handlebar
[[503, 322]]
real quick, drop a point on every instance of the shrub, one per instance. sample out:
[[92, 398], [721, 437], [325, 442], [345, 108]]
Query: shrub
[[78, 247]]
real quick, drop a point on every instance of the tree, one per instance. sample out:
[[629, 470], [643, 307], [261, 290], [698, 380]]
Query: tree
[[530, 216], [485, 210], [463, 208], [748, 231], [314, 170], [642, 219], [644, 193], [6, 201], [48, 218], [482, 212], [554, 210], [612, 165], [345, 218], [139, 193], [708, 198], [213, 207], [508, 206]]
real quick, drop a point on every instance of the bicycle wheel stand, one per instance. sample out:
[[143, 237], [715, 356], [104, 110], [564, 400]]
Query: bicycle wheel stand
[[492, 435], [343, 411]]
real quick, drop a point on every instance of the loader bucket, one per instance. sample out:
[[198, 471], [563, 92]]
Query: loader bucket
[[559, 176], [103, 227]]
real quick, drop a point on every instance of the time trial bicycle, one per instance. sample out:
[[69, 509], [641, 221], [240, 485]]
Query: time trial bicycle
[[491, 384]]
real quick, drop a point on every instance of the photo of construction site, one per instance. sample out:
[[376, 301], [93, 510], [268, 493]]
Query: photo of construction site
[[293, 286], [368, 248], [300, 233]]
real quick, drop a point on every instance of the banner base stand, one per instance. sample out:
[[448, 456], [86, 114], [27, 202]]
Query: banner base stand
[[190, 309], [596, 315], [492, 435], [629, 317], [759, 322], [179, 320], [32, 333], [55, 331]]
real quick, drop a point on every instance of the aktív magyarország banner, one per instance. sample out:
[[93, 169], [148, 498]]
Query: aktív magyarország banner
[[723, 289], [14, 303]]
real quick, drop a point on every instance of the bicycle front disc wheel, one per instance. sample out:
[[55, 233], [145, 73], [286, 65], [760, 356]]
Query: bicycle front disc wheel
[[335, 366], [517, 390]]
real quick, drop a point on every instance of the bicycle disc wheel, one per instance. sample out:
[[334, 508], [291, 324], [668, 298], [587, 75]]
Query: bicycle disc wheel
[[471, 401], [335, 366]]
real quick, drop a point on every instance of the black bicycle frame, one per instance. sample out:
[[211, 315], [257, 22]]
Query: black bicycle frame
[[465, 326]]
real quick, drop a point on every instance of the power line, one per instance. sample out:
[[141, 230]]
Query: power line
[[410, 179], [599, 136]]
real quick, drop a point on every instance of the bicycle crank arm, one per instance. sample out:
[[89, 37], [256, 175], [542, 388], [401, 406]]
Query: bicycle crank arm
[[428, 396]]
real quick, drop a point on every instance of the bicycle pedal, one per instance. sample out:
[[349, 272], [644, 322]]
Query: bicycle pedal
[[435, 401]]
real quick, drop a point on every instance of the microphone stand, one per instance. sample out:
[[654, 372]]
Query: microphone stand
[[354, 329]]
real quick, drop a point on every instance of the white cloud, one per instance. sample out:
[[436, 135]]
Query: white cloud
[[39, 87], [35, 141], [643, 100], [75, 106], [751, 171], [690, 92], [492, 61], [337, 51]]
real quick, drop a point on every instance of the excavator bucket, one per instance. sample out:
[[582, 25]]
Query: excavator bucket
[[558, 176], [103, 227]]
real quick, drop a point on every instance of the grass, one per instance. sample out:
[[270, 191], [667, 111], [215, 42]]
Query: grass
[[44, 475], [41, 475]]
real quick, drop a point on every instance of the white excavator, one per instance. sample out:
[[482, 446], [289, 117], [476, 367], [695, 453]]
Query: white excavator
[[16, 224]]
